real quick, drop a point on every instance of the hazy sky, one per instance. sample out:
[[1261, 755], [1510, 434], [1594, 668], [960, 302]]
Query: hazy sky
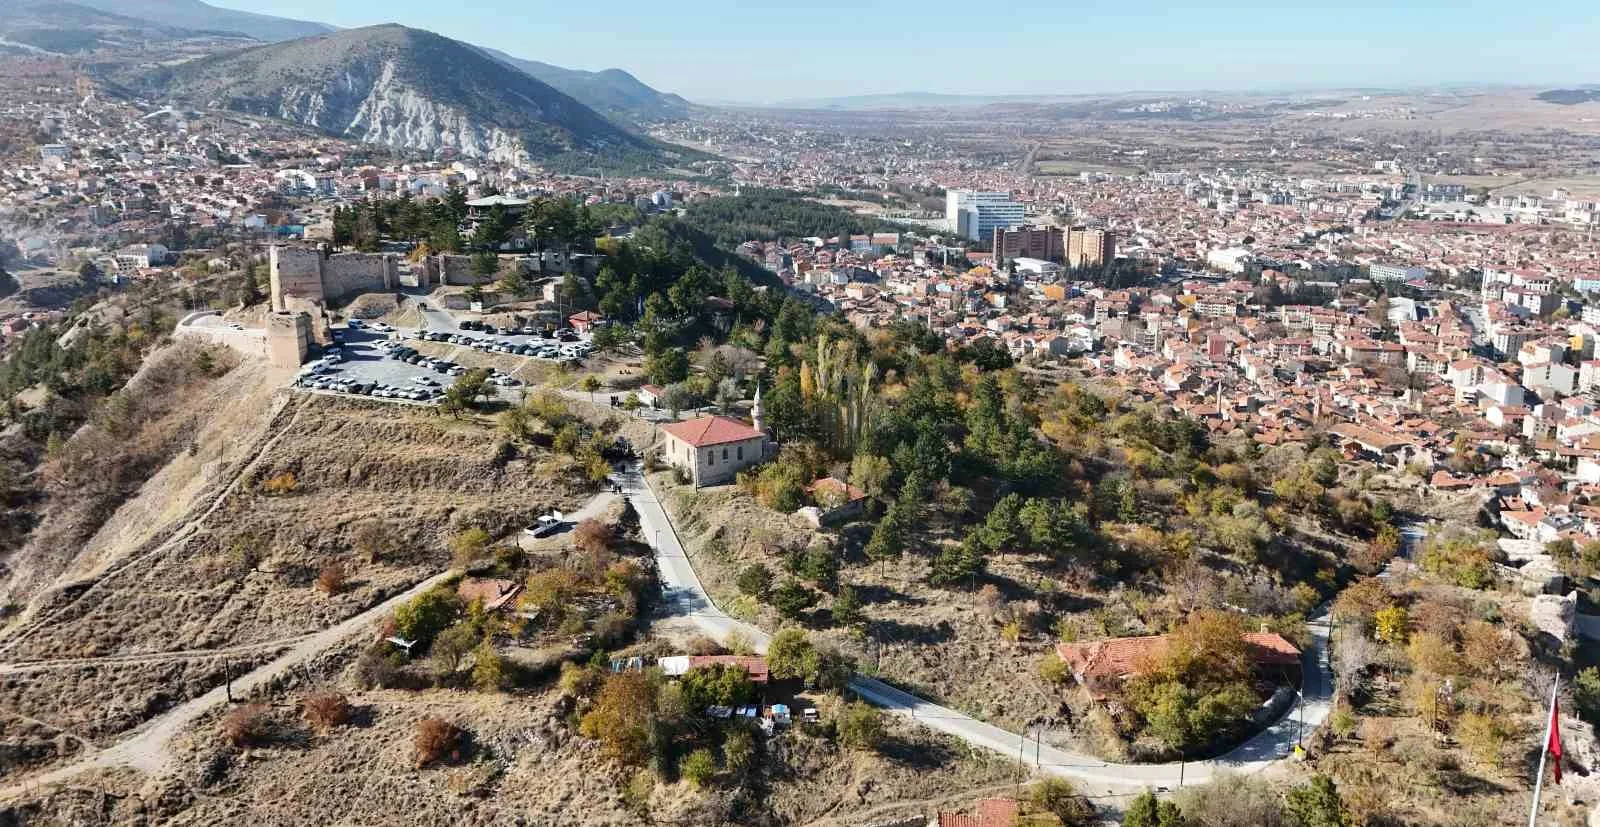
[[760, 50]]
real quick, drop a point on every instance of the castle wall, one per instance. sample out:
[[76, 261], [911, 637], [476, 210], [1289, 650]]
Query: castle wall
[[288, 339], [350, 274], [294, 272]]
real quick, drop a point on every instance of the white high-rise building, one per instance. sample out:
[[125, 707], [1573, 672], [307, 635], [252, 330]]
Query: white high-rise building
[[976, 215]]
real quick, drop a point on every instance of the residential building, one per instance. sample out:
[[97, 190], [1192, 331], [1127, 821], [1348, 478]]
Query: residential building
[[1390, 273], [1048, 243], [1090, 247]]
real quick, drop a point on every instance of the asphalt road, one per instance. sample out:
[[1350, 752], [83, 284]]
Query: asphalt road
[[687, 598]]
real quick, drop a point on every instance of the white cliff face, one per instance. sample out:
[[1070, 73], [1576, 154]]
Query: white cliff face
[[369, 103]]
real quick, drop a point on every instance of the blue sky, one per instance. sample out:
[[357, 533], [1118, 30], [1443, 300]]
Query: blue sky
[[761, 50]]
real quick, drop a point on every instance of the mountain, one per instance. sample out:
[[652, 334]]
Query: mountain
[[197, 16], [57, 27], [612, 92], [402, 87]]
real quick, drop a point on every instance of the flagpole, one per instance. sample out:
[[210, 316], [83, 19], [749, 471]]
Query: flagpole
[[1544, 751]]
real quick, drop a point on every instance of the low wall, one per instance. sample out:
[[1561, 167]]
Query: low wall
[[248, 343]]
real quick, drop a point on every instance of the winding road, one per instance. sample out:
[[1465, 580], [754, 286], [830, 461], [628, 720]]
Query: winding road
[[687, 598]]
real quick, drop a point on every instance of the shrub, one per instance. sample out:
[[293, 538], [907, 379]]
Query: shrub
[[549, 591], [427, 615], [755, 580], [792, 598], [375, 540], [325, 710], [284, 483], [468, 547], [1484, 737], [436, 740], [1147, 811], [860, 726], [379, 666], [450, 648], [636, 795], [1053, 669], [1316, 804], [699, 767], [622, 718], [1586, 689], [1059, 798], [716, 685], [331, 579], [248, 725], [490, 671], [738, 749], [791, 655], [580, 681], [592, 536]]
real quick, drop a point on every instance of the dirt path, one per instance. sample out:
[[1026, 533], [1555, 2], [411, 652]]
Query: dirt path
[[27, 624], [147, 749], [897, 808], [150, 657]]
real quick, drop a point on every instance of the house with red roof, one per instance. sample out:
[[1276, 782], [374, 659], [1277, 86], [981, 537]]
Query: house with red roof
[[1101, 667], [712, 450]]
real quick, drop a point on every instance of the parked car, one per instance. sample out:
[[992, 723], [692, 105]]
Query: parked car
[[546, 525]]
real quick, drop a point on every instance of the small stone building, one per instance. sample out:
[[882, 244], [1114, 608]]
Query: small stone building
[[712, 450]]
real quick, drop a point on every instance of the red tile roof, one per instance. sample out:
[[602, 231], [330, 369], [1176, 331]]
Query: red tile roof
[[992, 812], [1121, 657], [755, 667], [711, 430], [495, 594]]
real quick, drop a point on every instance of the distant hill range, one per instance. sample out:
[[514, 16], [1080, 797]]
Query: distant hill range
[[194, 15], [404, 87], [613, 92], [60, 27], [1568, 97]]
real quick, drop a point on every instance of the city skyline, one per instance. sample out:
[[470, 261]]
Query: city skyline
[[1035, 49]]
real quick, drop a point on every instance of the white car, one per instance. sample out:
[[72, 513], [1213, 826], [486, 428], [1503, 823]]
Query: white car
[[546, 525]]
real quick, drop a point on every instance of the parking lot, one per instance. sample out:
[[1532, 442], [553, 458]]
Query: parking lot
[[370, 360], [564, 345]]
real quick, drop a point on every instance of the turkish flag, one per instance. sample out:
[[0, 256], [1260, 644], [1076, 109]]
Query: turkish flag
[[1554, 746]]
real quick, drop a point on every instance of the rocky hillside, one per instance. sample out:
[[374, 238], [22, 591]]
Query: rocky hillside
[[401, 87], [613, 92]]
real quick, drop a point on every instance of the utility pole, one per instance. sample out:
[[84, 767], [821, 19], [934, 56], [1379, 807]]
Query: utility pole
[[1544, 751]]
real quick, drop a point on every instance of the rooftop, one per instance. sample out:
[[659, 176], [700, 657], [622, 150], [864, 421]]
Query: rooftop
[[711, 430]]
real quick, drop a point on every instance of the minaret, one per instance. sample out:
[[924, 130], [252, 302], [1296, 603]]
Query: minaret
[[757, 413]]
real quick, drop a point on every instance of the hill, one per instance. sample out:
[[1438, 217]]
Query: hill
[[1569, 97], [612, 92], [402, 87], [197, 16], [65, 28]]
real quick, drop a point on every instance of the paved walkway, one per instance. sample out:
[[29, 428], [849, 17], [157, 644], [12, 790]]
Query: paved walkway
[[687, 598]]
